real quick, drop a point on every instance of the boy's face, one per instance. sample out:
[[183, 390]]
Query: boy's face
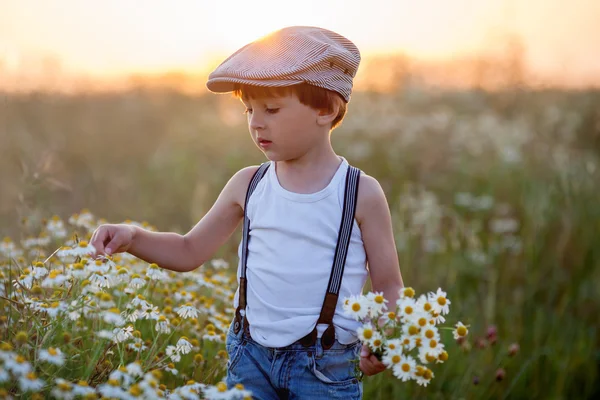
[[282, 127]]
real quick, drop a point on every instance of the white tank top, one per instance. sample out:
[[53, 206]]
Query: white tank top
[[291, 247]]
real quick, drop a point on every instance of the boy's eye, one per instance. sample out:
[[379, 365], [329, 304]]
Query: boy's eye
[[248, 111], [272, 110]]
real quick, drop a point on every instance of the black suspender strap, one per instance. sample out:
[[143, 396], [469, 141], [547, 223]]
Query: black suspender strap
[[258, 175], [339, 261]]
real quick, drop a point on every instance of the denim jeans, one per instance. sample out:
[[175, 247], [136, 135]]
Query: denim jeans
[[294, 371]]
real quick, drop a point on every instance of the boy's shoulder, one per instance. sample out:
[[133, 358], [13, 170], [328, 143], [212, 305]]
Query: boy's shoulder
[[240, 182], [370, 196]]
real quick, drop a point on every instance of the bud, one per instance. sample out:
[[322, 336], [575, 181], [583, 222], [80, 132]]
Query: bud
[[481, 343], [492, 331], [475, 380], [513, 349], [500, 374]]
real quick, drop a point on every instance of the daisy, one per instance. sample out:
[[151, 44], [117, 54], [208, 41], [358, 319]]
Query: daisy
[[377, 303], [135, 369], [407, 292], [172, 352], [365, 332], [53, 309], [405, 369], [155, 273], [113, 316], [183, 345], [100, 280], [440, 303], [82, 249], [391, 359], [136, 281], [406, 308], [53, 356], [376, 341], [78, 271], [424, 305], [212, 336], [393, 345], [122, 376], [460, 330], [139, 346], [120, 335], [432, 346], [162, 326], [408, 342], [82, 389], [101, 265], [423, 375], [18, 365], [55, 278], [356, 307], [112, 389], [63, 390], [217, 392], [171, 368], [187, 311], [4, 376], [430, 332], [150, 313], [30, 382], [39, 271], [56, 227], [9, 249]]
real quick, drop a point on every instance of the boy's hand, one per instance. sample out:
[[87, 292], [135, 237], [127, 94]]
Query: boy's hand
[[369, 364], [110, 239]]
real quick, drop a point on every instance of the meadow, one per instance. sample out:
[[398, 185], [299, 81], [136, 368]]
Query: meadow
[[494, 198]]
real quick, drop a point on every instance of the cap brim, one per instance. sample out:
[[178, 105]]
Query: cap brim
[[225, 85]]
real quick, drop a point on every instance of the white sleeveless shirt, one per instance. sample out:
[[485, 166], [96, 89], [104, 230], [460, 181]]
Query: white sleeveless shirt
[[291, 248]]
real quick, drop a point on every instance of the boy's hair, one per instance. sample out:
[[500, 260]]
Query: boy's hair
[[309, 95]]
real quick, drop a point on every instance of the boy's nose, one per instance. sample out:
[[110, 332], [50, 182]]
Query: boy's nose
[[256, 123]]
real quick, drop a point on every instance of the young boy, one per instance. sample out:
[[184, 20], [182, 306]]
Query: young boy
[[310, 220]]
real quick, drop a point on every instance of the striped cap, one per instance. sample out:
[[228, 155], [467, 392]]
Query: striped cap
[[288, 57]]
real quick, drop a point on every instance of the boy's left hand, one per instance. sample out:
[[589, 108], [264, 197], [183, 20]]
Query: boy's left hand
[[369, 364]]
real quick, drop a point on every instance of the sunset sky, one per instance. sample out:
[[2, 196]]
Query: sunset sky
[[114, 37]]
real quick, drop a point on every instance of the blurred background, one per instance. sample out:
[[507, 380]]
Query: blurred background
[[480, 119]]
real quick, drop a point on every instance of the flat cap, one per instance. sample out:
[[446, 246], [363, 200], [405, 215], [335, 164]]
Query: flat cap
[[291, 56]]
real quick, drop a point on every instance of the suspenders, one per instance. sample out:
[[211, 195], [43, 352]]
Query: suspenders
[[337, 270]]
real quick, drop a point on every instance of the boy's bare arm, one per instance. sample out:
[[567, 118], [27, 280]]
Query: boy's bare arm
[[375, 221], [182, 253]]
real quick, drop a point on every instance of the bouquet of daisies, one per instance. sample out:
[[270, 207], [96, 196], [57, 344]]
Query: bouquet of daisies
[[412, 327]]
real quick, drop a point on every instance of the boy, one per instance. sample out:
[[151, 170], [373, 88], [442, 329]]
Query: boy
[[310, 220]]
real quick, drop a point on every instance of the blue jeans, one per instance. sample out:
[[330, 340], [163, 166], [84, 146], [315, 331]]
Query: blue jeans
[[294, 371]]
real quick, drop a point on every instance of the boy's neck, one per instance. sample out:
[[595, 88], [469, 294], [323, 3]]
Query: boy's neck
[[310, 173]]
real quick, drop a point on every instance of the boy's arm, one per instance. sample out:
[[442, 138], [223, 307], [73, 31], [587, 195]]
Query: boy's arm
[[373, 217], [186, 253], [375, 221]]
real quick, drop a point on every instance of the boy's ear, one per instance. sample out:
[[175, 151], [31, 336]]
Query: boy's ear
[[324, 117]]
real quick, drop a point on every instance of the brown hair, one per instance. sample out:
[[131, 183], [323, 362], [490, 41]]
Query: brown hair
[[309, 95]]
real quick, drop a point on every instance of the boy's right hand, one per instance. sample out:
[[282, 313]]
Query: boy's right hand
[[113, 238]]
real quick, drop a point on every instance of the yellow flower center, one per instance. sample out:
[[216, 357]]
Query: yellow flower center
[[52, 351], [392, 315], [65, 387], [356, 307], [441, 300], [408, 310], [221, 387], [392, 346], [430, 358], [405, 367], [113, 382], [413, 330], [396, 359], [443, 356], [433, 343], [83, 243], [429, 334], [377, 343], [379, 299], [427, 307], [422, 321], [31, 376], [461, 330], [135, 390], [239, 386], [368, 334], [409, 292], [427, 374]]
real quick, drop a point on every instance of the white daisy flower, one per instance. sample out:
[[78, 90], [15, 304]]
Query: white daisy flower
[[155, 273], [4, 376], [55, 278], [376, 304], [113, 317], [172, 352], [393, 345], [63, 390], [407, 292], [135, 369], [136, 281], [56, 227], [356, 307], [101, 265], [430, 332], [82, 249], [138, 346], [150, 313], [424, 305], [78, 271], [122, 376], [39, 271], [171, 368], [406, 308], [30, 382], [53, 309], [423, 375], [405, 369], [120, 335], [440, 303], [212, 336], [53, 356], [18, 365], [82, 389], [100, 280], [26, 280], [409, 342], [365, 332], [187, 311], [112, 389], [432, 346], [460, 330], [9, 249], [163, 325], [391, 359], [183, 345], [376, 341], [217, 392]]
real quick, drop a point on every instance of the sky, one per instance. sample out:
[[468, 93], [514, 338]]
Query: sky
[[116, 37]]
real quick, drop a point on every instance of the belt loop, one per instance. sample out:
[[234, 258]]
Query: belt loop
[[318, 350]]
